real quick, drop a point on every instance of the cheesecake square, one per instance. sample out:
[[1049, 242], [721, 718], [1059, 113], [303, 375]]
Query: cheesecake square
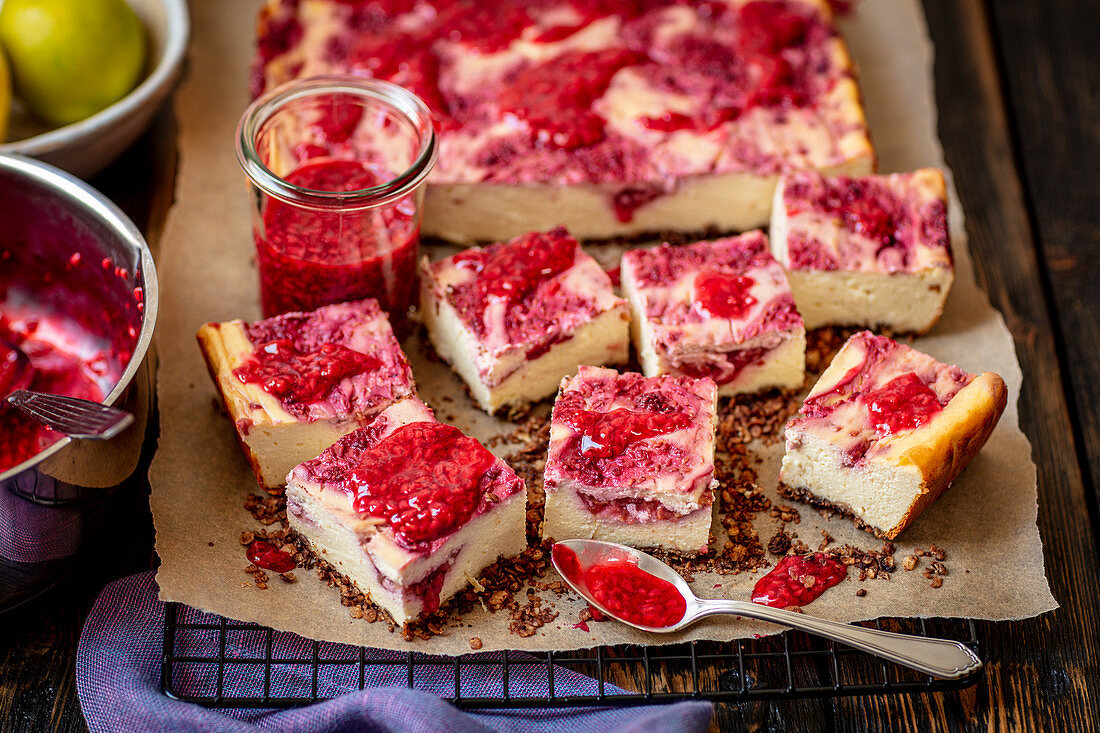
[[631, 460], [295, 383], [614, 119], [410, 509], [885, 431], [515, 317], [719, 309], [872, 251]]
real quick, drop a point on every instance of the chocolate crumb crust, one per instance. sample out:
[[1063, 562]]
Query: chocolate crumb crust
[[780, 543], [822, 345], [744, 418], [871, 564], [807, 497]]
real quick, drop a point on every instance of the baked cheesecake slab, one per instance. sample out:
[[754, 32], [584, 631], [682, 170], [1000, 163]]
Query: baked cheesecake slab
[[718, 309], [871, 251], [631, 460], [885, 431], [613, 119], [410, 509], [515, 317], [295, 383]]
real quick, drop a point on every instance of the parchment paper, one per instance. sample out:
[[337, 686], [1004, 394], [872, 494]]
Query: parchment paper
[[986, 521]]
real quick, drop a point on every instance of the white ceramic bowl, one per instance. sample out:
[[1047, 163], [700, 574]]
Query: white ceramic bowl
[[86, 147]]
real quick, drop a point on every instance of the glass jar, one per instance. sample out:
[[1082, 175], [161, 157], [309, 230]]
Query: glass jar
[[337, 168]]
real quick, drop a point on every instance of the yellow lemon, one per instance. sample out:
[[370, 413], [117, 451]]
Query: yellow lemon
[[71, 58]]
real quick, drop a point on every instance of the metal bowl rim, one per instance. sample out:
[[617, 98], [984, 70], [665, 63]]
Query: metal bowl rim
[[79, 195]]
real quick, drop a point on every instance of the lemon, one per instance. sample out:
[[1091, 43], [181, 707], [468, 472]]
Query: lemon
[[5, 95], [71, 58]]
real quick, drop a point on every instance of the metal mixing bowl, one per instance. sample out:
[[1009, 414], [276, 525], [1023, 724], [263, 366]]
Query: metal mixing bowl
[[54, 216]]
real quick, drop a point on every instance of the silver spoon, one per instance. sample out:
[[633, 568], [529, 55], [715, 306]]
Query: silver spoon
[[72, 416], [937, 657]]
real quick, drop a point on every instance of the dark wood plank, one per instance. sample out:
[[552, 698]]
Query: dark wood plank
[[1052, 77], [1041, 670]]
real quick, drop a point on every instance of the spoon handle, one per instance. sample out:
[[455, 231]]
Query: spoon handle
[[937, 657], [72, 416]]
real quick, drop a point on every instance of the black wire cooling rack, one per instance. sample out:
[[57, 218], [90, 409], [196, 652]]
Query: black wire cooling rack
[[219, 663]]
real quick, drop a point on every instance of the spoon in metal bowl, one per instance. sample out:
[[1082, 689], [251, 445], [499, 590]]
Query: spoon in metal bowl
[[937, 657], [72, 416]]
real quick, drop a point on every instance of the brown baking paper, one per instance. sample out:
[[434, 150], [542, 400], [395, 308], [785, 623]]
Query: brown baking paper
[[986, 522]]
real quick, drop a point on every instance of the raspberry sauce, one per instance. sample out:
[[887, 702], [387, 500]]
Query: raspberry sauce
[[424, 480], [724, 370], [12, 373], [312, 257], [625, 590], [555, 97], [903, 403], [890, 219], [608, 434], [798, 580], [769, 54], [724, 294], [301, 377], [263, 554], [56, 368], [510, 271], [603, 437]]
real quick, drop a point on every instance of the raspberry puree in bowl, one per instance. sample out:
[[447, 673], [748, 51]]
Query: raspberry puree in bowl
[[54, 301]]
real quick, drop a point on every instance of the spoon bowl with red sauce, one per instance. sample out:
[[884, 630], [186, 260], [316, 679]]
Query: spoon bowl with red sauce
[[641, 591]]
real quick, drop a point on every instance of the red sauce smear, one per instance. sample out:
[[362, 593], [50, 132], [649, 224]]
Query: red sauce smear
[[625, 590], [555, 97], [308, 257], [626, 202], [903, 403], [263, 554], [428, 590], [424, 479], [727, 371], [604, 437], [301, 377], [608, 434], [798, 580], [510, 271], [724, 295]]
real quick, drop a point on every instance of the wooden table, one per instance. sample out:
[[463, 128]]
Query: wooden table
[[1019, 98]]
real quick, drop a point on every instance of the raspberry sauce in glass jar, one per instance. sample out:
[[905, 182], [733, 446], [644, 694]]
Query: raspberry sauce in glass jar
[[337, 167]]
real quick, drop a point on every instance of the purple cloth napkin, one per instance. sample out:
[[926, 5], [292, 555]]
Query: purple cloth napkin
[[30, 532], [118, 680]]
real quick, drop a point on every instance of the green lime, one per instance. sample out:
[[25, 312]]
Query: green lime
[[71, 58], [5, 95]]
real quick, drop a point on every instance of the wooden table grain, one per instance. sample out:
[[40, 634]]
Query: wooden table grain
[[1018, 90]]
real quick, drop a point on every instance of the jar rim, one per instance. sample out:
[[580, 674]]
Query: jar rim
[[404, 103]]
